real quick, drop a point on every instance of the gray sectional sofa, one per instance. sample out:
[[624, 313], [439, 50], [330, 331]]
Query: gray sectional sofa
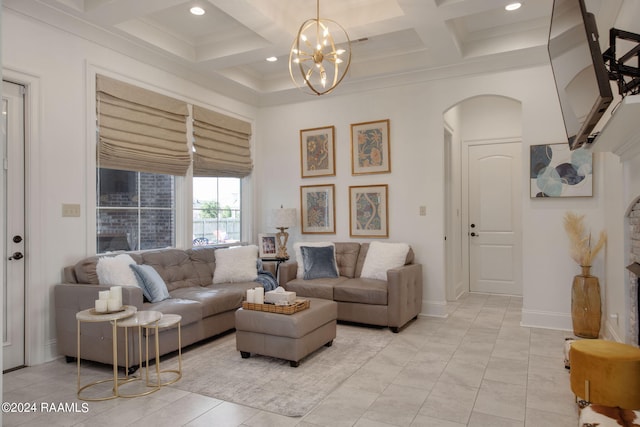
[[207, 309], [392, 302]]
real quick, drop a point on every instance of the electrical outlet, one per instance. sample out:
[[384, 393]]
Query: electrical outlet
[[423, 211], [70, 210]]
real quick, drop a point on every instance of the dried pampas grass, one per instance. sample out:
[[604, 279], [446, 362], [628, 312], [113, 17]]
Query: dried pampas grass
[[581, 250]]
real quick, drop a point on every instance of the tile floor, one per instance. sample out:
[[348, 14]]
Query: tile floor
[[478, 367]]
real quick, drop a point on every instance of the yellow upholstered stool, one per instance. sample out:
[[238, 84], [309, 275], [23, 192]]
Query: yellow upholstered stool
[[606, 373]]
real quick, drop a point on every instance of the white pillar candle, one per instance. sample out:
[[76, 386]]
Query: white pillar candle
[[259, 295], [104, 295], [116, 293], [251, 295], [113, 304], [101, 305]]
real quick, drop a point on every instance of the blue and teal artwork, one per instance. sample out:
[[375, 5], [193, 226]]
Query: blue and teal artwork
[[558, 172]]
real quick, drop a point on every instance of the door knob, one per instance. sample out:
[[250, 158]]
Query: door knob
[[16, 255], [474, 234]]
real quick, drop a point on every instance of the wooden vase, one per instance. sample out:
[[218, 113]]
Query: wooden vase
[[585, 304]]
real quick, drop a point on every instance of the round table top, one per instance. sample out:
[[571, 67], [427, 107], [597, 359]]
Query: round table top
[[169, 320], [90, 314], [141, 318]]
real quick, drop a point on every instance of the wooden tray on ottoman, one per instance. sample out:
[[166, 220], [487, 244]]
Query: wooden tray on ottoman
[[299, 305]]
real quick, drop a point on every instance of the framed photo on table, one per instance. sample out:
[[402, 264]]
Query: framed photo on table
[[267, 245], [317, 152], [369, 211], [370, 151], [317, 205]]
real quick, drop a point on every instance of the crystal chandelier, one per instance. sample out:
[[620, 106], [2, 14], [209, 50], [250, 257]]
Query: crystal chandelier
[[315, 59]]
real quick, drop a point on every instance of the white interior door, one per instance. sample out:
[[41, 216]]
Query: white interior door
[[495, 248], [13, 189]]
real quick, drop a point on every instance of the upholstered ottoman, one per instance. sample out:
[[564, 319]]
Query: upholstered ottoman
[[606, 373], [287, 336]]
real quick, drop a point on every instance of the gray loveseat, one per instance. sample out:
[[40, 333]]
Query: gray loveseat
[[392, 302], [207, 309]]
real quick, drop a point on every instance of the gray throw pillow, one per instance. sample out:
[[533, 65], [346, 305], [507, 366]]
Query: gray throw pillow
[[153, 287], [319, 262]]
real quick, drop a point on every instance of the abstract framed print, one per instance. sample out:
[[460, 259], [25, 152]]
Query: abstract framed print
[[555, 171], [317, 152], [369, 211], [317, 207], [370, 151]]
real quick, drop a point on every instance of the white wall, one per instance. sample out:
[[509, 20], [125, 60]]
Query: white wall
[[61, 169], [416, 115], [58, 65]]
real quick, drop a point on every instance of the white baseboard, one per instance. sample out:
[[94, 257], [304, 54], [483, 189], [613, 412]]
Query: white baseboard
[[610, 332], [546, 320], [434, 309]]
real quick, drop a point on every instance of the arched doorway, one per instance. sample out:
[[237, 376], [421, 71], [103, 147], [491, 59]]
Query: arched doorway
[[483, 176]]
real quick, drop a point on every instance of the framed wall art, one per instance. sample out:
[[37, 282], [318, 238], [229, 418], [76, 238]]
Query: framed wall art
[[370, 151], [317, 207], [317, 152], [368, 211], [267, 245], [555, 171]]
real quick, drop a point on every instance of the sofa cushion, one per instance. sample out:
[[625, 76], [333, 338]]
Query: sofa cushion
[[347, 258], [382, 257], [203, 260], [363, 291], [215, 299], [85, 269], [189, 310], [315, 288], [173, 265], [319, 262], [362, 255], [237, 264], [153, 287], [115, 270], [298, 253]]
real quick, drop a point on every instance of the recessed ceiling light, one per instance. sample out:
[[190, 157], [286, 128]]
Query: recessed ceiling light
[[513, 6], [272, 59], [197, 10]]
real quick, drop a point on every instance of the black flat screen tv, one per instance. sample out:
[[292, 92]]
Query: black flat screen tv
[[582, 80]]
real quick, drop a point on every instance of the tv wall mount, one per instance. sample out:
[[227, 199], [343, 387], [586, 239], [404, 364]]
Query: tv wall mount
[[627, 76]]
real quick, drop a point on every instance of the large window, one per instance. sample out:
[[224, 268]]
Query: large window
[[216, 210], [145, 147], [135, 210]]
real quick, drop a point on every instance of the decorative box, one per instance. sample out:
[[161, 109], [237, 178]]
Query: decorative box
[[275, 297]]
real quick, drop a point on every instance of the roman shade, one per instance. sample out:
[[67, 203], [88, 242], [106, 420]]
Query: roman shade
[[140, 130], [221, 145]]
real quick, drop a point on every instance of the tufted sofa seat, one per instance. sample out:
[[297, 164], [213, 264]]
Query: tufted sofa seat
[[392, 302], [207, 309]]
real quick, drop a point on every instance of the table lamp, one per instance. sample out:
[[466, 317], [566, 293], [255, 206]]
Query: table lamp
[[283, 219]]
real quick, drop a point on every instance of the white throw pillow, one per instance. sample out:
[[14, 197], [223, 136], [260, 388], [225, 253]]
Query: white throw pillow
[[382, 257], [116, 271], [237, 264], [298, 252]]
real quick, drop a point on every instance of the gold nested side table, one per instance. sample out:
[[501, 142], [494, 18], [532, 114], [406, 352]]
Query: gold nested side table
[[167, 321], [91, 316], [147, 319]]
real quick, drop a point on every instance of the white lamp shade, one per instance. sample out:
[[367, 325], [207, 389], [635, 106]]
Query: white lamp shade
[[284, 217]]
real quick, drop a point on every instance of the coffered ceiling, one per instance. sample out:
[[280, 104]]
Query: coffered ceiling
[[392, 40]]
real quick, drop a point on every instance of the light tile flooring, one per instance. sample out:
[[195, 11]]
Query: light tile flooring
[[478, 367]]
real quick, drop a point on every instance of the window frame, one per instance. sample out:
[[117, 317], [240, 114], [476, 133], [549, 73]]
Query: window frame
[[183, 184]]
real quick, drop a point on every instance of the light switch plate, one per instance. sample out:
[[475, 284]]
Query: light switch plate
[[70, 210]]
